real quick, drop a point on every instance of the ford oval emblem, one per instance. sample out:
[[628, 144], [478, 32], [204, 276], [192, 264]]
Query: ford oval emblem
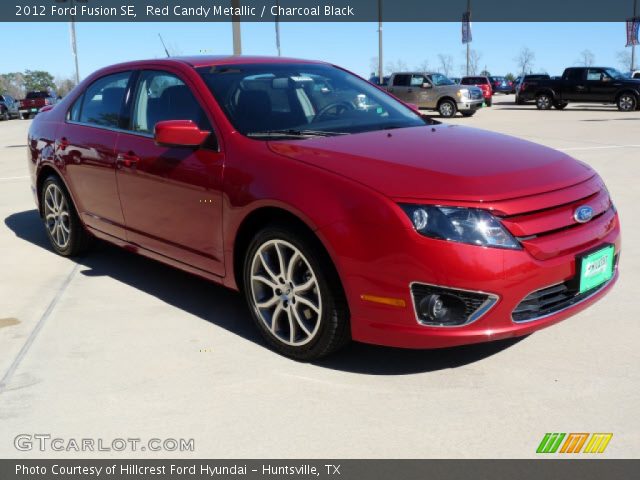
[[583, 214]]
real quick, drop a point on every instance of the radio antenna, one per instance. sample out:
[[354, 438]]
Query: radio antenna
[[164, 46]]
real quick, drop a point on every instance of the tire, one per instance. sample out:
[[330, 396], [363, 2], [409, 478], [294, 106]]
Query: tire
[[5, 116], [544, 101], [627, 102], [489, 102], [560, 105], [519, 101], [289, 278], [447, 108], [66, 233], [25, 116], [468, 113]]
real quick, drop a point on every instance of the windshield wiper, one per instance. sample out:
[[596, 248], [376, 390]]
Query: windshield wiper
[[295, 133]]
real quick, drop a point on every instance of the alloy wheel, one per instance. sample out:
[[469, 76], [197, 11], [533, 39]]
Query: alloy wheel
[[544, 102], [57, 216], [285, 293], [626, 103], [446, 109]]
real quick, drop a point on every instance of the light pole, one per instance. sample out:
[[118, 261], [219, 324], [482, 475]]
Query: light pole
[[380, 62], [278, 28], [633, 44], [74, 43], [469, 34], [237, 38]]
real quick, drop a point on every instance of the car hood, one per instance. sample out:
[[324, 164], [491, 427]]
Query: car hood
[[447, 162]]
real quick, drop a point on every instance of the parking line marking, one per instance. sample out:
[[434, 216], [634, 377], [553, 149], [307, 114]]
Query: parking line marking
[[14, 178], [34, 333], [603, 147]]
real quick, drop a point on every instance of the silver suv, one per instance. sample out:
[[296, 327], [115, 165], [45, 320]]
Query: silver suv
[[435, 91]]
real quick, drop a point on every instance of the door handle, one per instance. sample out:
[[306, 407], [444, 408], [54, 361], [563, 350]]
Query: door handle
[[128, 160], [580, 87]]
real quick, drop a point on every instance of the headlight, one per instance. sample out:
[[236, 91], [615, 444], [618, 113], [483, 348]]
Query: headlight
[[463, 92], [465, 225]]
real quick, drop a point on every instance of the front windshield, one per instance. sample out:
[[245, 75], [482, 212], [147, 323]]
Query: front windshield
[[613, 73], [263, 99], [438, 80]]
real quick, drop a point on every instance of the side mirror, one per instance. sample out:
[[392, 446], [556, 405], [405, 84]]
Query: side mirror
[[427, 85], [179, 133]]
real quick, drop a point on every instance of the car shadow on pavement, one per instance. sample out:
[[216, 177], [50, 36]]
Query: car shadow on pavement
[[225, 308]]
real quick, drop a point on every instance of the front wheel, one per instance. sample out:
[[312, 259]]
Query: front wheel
[[627, 102], [447, 108], [64, 229], [544, 101], [294, 294]]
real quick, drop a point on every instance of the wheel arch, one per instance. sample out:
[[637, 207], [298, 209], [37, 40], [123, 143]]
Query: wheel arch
[[45, 171], [259, 218]]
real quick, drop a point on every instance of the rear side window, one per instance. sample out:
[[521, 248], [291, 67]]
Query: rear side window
[[402, 80], [163, 96], [574, 75], [636, 75], [102, 103]]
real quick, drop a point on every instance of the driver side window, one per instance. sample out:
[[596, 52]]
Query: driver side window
[[417, 80], [163, 96], [595, 75]]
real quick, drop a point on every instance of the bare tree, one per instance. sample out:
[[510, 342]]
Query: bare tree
[[624, 60], [64, 85], [586, 59], [524, 60], [396, 66], [423, 66], [445, 63], [474, 62], [373, 65]]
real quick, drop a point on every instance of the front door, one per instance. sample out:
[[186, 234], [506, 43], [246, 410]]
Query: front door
[[171, 196], [602, 86]]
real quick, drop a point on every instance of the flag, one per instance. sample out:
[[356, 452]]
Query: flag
[[466, 27], [633, 31]]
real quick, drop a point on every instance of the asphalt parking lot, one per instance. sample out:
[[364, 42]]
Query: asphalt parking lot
[[113, 345]]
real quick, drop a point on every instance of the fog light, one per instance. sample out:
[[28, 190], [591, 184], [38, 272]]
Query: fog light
[[442, 309]]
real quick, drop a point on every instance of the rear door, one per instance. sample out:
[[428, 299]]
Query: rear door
[[171, 196], [573, 85], [86, 144], [400, 86]]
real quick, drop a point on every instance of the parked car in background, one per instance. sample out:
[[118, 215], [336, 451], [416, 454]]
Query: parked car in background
[[336, 222], [34, 101], [484, 84], [603, 85], [455, 80], [435, 91], [8, 107], [376, 80], [500, 85], [525, 87]]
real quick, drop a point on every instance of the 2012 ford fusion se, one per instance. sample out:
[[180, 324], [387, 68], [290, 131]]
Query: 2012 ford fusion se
[[339, 211]]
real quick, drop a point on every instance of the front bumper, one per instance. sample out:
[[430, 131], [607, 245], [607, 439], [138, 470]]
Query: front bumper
[[509, 275], [468, 104]]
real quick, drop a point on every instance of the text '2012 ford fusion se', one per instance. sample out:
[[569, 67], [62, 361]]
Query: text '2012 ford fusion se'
[[339, 211]]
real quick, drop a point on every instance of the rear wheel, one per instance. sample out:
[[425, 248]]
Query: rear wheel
[[627, 102], [489, 101], [294, 295], [447, 108], [544, 101], [64, 229]]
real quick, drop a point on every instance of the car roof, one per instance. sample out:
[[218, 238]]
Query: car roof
[[215, 60]]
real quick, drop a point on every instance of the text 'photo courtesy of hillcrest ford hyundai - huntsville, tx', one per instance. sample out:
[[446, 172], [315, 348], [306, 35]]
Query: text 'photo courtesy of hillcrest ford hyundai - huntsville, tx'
[[340, 211]]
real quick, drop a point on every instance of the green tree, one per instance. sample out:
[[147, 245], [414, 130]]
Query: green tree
[[38, 80], [64, 86], [510, 76], [13, 84]]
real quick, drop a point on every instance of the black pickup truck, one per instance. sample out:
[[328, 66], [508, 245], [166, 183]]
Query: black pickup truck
[[585, 85]]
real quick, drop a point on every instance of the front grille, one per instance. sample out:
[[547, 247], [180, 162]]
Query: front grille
[[550, 300], [476, 95]]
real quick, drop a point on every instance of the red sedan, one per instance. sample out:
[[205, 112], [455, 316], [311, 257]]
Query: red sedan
[[339, 211]]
